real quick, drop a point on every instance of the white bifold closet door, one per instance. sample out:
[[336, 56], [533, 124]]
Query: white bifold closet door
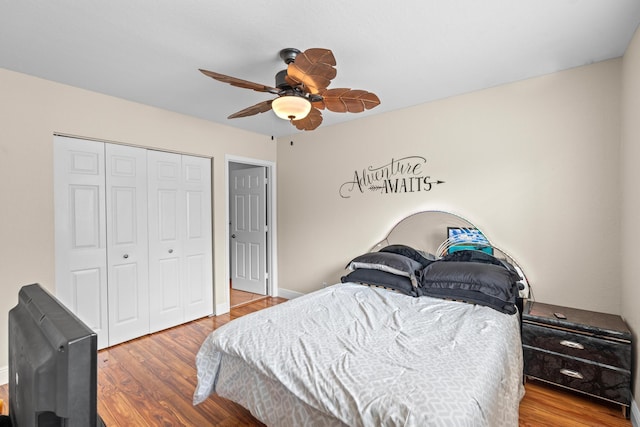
[[80, 232], [133, 243], [127, 242], [180, 273]]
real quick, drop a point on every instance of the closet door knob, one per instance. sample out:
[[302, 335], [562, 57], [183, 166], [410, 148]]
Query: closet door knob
[[170, 251], [125, 256]]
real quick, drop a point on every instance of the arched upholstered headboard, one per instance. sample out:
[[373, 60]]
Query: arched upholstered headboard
[[427, 230]]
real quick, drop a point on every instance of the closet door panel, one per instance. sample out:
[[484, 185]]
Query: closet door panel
[[127, 248], [85, 216], [195, 281], [87, 304], [166, 226], [169, 286], [198, 274], [80, 231], [125, 288], [168, 216]]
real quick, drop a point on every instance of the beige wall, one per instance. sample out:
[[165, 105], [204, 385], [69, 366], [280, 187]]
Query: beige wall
[[630, 153], [534, 164], [31, 111]]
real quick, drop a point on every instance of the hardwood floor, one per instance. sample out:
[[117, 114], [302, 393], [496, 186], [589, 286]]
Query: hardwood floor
[[546, 405], [238, 298], [150, 381]]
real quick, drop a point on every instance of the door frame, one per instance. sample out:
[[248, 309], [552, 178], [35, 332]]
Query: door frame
[[271, 247]]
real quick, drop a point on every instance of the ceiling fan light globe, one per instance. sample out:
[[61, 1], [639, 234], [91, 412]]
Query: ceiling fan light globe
[[291, 107]]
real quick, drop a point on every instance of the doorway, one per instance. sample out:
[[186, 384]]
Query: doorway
[[250, 212]]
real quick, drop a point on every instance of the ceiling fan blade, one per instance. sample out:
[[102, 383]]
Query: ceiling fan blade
[[233, 81], [311, 122], [314, 68], [260, 107], [344, 100], [318, 104]]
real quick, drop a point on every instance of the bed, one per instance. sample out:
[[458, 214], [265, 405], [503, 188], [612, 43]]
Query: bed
[[377, 352]]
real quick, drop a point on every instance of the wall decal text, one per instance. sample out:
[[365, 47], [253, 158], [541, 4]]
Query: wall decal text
[[405, 175]]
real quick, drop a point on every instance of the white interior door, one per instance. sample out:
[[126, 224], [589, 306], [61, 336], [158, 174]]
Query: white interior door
[[198, 270], [80, 231], [166, 226], [127, 246], [248, 229]]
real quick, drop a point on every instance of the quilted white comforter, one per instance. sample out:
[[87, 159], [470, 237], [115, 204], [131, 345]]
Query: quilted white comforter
[[371, 357]]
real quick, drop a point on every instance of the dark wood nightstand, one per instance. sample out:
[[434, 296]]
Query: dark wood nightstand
[[586, 351]]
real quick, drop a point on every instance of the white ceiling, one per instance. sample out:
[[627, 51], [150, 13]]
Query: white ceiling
[[407, 52]]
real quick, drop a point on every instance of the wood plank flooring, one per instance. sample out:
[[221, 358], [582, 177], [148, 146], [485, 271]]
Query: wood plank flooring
[[150, 381], [238, 298]]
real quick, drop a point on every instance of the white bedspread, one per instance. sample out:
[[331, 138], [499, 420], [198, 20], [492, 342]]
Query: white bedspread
[[372, 357]]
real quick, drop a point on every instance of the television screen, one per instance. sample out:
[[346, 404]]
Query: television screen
[[52, 364], [468, 239]]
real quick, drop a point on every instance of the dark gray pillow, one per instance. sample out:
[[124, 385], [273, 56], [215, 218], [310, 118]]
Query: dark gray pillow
[[381, 278], [422, 257], [481, 257], [389, 262], [478, 283]]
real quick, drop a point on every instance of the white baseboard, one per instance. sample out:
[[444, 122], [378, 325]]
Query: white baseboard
[[286, 293], [4, 375], [635, 413]]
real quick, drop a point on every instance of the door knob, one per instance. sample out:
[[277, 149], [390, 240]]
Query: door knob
[[170, 251], [233, 236], [125, 256]]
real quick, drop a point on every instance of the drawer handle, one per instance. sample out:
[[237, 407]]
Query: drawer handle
[[572, 344], [572, 374]]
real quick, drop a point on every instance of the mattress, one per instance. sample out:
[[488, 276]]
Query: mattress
[[360, 356]]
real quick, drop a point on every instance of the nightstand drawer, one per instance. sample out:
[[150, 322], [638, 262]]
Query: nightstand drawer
[[590, 378], [616, 354]]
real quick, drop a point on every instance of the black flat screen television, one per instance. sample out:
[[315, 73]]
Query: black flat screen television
[[52, 364]]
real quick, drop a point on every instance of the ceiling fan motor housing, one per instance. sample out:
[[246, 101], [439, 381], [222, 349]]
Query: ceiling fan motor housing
[[281, 83], [289, 54]]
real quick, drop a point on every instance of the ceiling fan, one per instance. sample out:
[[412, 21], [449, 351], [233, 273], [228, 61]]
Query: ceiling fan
[[302, 90]]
